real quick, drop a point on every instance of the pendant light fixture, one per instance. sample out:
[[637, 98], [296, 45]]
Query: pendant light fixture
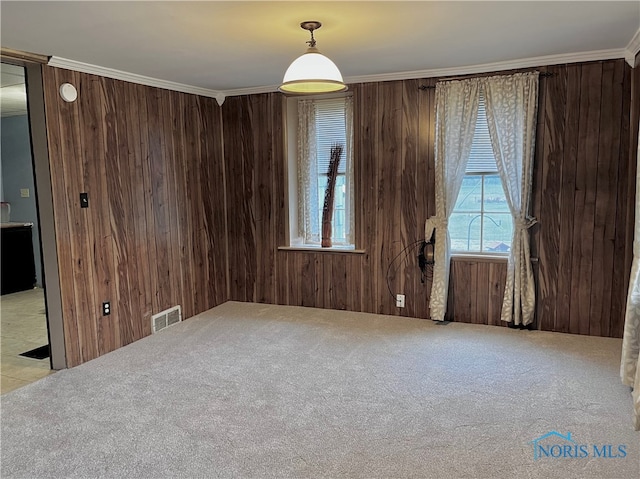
[[312, 73]]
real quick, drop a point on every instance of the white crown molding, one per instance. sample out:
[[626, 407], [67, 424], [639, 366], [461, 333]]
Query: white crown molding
[[466, 70], [494, 67], [632, 50], [251, 90], [134, 78], [220, 96]]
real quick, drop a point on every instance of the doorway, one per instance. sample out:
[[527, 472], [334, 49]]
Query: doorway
[[27, 351]]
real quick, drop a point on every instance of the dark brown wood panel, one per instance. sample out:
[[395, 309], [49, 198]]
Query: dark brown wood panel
[[497, 279], [482, 297], [389, 164], [586, 176], [627, 164], [551, 149], [354, 283], [214, 202], [606, 198], [566, 205], [410, 228], [151, 162], [583, 223], [461, 281], [253, 136], [366, 136], [312, 282], [482, 283]]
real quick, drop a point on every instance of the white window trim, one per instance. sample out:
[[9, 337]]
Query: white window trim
[[295, 241], [470, 253]]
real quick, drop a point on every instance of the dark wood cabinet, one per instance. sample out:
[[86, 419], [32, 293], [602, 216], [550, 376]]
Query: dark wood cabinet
[[18, 265]]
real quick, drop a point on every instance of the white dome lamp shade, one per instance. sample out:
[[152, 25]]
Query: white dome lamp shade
[[312, 73]]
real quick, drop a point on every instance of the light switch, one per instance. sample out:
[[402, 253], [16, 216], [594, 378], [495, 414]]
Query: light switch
[[24, 192]]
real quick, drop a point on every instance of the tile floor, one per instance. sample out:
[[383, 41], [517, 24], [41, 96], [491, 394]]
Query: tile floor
[[23, 326]]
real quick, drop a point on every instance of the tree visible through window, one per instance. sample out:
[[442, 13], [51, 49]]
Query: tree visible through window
[[481, 221]]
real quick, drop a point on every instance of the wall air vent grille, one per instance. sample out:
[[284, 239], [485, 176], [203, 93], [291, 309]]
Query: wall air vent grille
[[166, 318]]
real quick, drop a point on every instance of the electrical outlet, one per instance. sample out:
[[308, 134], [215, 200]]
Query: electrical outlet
[[24, 193], [399, 300], [106, 308]]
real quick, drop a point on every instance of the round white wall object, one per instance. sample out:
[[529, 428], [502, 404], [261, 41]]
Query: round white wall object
[[68, 92]]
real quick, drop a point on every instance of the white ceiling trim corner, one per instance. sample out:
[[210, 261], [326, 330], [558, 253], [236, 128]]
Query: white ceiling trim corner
[[633, 48], [133, 77]]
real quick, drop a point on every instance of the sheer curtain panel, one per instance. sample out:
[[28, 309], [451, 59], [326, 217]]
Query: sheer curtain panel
[[308, 219], [511, 104], [630, 364], [456, 112]]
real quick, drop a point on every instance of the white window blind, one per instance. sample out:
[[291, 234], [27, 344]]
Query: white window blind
[[481, 159], [330, 129]]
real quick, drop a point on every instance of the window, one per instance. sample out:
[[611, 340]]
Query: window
[[321, 123], [481, 221]]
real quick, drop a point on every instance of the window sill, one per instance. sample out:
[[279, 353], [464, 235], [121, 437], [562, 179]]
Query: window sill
[[320, 249], [488, 258]]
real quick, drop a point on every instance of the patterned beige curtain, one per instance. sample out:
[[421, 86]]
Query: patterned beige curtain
[[456, 113], [308, 219], [630, 364], [511, 104]]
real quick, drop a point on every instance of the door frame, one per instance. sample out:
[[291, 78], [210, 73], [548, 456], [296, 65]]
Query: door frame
[[44, 200]]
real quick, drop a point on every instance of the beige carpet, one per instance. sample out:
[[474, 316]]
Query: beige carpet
[[247, 390]]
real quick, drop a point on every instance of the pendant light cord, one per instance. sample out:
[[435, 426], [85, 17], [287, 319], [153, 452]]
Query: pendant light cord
[[312, 42]]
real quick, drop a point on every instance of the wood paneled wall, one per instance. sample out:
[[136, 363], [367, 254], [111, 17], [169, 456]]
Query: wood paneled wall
[[392, 184], [581, 199], [255, 188], [394, 178], [188, 205], [154, 233]]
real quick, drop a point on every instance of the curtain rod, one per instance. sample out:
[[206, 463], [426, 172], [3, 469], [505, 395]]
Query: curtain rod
[[431, 87]]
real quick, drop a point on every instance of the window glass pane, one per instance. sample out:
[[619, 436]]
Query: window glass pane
[[339, 219], [331, 130], [464, 231], [481, 221], [497, 232], [338, 235], [470, 196], [494, 197]]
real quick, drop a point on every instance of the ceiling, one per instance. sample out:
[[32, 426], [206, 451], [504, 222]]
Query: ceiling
[[230, 46]]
